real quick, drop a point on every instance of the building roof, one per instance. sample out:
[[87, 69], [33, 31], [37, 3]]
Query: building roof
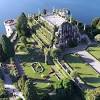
[[54, 19], [10, 22]]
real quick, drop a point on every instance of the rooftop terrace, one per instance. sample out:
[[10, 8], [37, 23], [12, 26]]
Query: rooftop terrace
[[10, 22], [54, 19]]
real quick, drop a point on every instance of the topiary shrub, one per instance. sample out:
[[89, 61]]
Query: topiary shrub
[[38, 67], [97, 37]]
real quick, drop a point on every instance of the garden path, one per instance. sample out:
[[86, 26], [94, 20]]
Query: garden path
[[9, 86], [88, 58]]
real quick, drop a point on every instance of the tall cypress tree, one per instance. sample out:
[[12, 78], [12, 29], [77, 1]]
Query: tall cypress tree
[[22, 26], [7, 46], [2, 55]]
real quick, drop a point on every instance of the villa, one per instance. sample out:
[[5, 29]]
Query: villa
[[67, 33]]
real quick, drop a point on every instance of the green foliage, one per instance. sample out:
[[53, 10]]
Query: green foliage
[[74, 74], [74, 22], [21, 83], [68, 89], [80, 26], [23, 40], [7, 46], [30, 91], [72, 43], [95, 22], [2, 90], [2, 55], [93, 94], [45, 97], [19, 99], [90, 31], [63, 89], [97, 37], [1, 74], [93, 29], [22, 26], [55, 53]]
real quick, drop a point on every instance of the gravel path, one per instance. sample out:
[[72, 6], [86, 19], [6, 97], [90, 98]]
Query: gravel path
[[88, 58], [9, 86]]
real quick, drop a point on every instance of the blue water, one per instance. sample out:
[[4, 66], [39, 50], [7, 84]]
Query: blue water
[[83, 10]]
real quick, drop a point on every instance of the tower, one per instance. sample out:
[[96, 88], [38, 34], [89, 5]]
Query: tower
[[10, 26]]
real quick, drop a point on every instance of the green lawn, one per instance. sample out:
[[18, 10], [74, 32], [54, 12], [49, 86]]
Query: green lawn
[[28, 58], [32, 74], [95, 51], [85, 71]]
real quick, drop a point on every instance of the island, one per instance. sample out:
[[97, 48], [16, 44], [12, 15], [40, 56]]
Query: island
[[49, 55]]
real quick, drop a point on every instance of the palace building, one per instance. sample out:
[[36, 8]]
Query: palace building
[[67, 34]]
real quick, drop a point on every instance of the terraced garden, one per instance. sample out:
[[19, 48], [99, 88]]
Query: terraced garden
[[42, 35], [95, 51], [84, 70]]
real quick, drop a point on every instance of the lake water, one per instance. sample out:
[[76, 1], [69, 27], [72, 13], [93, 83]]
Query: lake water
[[83, 10]]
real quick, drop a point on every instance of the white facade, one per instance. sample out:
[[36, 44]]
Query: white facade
[[10, 26]]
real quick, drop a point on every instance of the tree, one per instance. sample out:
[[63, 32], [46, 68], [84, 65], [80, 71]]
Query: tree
[[90, 31], [55, 53], [45, 97], [74, 74], [23, 40], [92, 94], [81, 26], [22, 26], [95, 22], [21, 83], [2, 89], [98, 25], [30, 91], [60, 91], [2, 55], [7, 46], [68, 87]]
